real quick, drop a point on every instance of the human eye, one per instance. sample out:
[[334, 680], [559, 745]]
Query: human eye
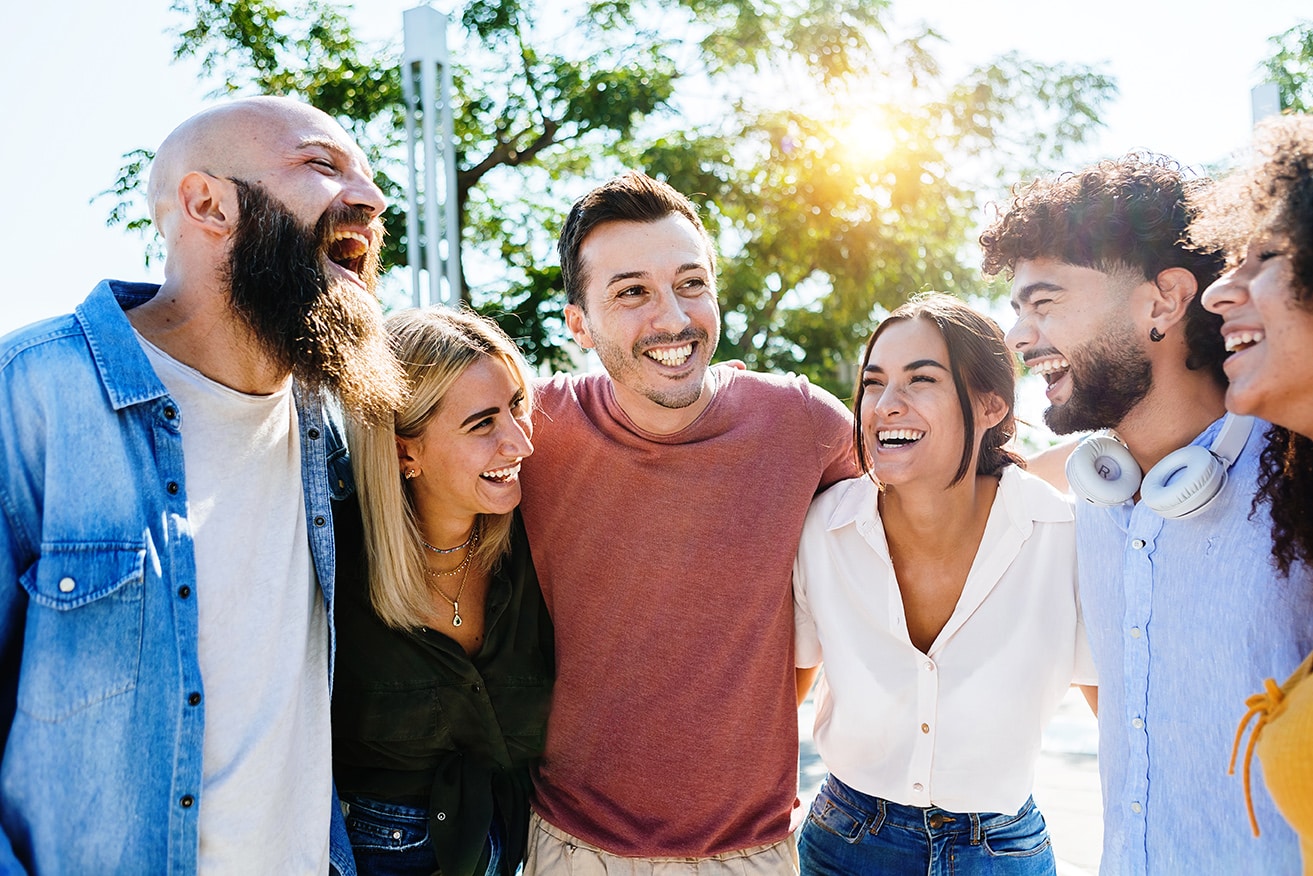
[[481, 425], [924, 378], [693, 286], [630, 292], [872, 383]]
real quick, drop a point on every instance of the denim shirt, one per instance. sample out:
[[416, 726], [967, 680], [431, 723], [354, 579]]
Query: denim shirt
[[101, 713], [1186, 618]]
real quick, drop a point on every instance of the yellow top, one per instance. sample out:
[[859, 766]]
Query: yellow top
[[1283, 738]]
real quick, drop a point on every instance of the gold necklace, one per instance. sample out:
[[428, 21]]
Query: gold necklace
[[455, 603]]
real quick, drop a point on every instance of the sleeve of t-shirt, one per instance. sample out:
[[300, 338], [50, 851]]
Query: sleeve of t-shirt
[[833, 429], [806, 642]]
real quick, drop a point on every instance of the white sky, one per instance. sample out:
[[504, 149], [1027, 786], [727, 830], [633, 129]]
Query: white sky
[[87, 80]]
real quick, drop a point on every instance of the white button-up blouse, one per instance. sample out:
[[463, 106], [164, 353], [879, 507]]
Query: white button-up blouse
[[957, 728]]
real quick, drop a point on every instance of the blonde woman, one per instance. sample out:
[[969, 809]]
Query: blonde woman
[[444, 653]]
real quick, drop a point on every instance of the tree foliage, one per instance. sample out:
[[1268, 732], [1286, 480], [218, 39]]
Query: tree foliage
[[1291, 67], [839, 166]]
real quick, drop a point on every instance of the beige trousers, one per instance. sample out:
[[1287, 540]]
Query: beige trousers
[[553, 852]]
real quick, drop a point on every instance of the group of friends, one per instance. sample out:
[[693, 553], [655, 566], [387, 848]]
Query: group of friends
[[290, 587]]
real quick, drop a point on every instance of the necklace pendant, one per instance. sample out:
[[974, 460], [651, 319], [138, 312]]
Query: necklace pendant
[[455, 615]]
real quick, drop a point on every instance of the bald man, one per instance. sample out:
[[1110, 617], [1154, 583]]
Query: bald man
[[166, 565]]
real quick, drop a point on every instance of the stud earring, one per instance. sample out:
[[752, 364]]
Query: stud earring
[[1155, 335], [410, 474]]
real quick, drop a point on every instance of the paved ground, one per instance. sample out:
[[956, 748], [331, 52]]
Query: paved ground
[[1066, 783]]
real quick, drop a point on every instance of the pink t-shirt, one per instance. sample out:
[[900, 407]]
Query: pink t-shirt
[[666, 564]]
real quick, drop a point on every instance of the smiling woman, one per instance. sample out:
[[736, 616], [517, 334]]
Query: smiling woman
[[927, 568], [1263, 216]]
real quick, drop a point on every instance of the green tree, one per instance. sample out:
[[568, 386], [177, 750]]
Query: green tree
[[839, 167], [1291, 67]]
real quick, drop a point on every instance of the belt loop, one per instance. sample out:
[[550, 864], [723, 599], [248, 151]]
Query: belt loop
[[878, 822], [975, 828]]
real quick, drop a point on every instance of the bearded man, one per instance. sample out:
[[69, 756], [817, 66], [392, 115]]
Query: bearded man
[[166, 557], [1186, 614]]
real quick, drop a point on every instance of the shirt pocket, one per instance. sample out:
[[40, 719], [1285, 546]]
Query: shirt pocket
[[82, 644]]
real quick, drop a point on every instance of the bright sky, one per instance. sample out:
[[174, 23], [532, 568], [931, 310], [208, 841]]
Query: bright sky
[[87, 81]]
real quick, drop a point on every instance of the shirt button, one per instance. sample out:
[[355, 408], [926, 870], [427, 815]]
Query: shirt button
[[1138, 544], [925, 728], [441, 816], [193, 698], [187, 801], [1137, 724], [917, 787], [66, 585], [1135, 632], [320, 521], [313, 433], [172, 488], [929, 667], [184, 591], [1136, 807], [170, 412], [477, 688]]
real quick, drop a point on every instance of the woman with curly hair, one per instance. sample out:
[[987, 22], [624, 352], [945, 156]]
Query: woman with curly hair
[[939, 589], [1263, 217]]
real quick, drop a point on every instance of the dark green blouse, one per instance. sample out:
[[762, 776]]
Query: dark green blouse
[[417, 721]]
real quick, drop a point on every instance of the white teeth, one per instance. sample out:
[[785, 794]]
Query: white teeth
[[675, 356], [504, 475], [1237, 340], [1048, 366], [901, 435], [351, 235]]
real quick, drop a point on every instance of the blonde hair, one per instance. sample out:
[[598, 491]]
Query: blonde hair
[[434, 347]]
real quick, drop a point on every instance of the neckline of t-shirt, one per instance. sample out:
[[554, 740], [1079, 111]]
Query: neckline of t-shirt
[[624, 421]]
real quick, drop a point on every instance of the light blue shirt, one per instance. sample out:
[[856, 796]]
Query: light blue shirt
[[1186, 618], [102, 712]]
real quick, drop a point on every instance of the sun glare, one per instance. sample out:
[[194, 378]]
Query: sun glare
[[864, 135]]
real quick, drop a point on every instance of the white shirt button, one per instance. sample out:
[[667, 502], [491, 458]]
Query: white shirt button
[[1136, 807], [917, 787], [1135, 632], [66, 585], [929, 667], [1138, 544], [1137, 724]]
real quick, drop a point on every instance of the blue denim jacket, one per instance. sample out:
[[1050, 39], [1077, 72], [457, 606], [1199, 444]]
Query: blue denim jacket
[[101, 764]]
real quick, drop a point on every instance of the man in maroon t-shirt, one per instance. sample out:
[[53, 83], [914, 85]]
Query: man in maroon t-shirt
[[663, 506]]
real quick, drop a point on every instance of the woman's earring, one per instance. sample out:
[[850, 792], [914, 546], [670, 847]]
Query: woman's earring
[[410, 474]]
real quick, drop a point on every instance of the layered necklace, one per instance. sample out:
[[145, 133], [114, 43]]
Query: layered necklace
[[463, 570]]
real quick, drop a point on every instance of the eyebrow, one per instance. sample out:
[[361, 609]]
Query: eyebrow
[[633, 275], [1028, 291], [478, 415], [324, 143], [911, 366]]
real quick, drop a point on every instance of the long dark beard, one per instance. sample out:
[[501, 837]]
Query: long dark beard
[[320, 328], [1109, 377]]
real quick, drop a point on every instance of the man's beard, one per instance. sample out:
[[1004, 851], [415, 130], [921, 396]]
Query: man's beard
[[321, 328], [1109, 377]]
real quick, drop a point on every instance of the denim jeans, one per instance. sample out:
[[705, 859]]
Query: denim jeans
[[849, 833], [389, 839]]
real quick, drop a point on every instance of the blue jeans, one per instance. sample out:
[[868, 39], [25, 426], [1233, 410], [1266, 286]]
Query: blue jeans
[[389, 839], [849, 833]]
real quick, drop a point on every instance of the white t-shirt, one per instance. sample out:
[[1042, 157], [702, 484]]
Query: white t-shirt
[[263, 642], [958, 728]]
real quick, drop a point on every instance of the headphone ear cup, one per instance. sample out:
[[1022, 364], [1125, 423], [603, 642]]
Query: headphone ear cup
[[1183, 481], [1101, 470]]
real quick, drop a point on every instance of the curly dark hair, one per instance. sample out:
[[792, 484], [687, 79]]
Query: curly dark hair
[[1127, 214], [1285, 483], [1273, 197], [980, 363]]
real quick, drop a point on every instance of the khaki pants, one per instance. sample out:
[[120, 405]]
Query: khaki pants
[[553, 852]]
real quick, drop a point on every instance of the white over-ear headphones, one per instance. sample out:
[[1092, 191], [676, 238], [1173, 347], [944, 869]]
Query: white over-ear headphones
[[1101, 470]]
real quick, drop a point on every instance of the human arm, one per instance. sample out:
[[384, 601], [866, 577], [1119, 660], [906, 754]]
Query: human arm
[[1091, 692], [805, 676], [1051, 464]]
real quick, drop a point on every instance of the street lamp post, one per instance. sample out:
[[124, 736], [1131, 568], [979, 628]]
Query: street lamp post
[[432, 226]]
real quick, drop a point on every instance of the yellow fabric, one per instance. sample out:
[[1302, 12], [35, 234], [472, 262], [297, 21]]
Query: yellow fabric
[[1283, 740]]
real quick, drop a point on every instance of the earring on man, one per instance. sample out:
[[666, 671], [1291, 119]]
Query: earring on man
[[1155, 335]]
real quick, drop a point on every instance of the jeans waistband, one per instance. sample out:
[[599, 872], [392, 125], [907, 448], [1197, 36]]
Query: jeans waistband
[[930, 819]]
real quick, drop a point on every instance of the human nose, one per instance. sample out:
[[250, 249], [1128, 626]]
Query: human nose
[[1226, 292], [670, 316], [1021, 335], [515, 439], [890, 401], [364, 193]]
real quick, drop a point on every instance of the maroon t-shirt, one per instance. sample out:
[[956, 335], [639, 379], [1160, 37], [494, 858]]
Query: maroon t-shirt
[[666, 563]]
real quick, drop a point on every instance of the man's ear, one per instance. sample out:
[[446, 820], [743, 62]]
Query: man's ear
[[1176, 287], [208, 201], [578, 326]]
